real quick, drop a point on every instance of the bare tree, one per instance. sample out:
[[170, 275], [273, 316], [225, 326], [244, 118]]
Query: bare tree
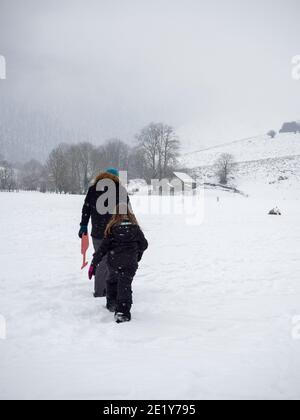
[[72, 167], [31, 176], [73, 156], [160, 147], [7, 177], [137, 166], [148, 140], [169, 150], [116, 154], [224, 166], [59, 169], [86, 160]]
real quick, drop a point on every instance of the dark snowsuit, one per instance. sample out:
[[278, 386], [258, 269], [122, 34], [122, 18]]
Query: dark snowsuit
[[124, 248], [89, 210], [99, 223]]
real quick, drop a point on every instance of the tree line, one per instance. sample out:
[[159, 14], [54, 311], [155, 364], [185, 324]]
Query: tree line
[[8, 181], [70, 168]]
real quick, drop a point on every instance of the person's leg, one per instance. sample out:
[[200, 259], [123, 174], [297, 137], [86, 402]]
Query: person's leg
[[102, 273], [124, 294], [112, 290], [97, 243]]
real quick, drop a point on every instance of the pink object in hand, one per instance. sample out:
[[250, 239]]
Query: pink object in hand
[[85, 243], [91, 271]]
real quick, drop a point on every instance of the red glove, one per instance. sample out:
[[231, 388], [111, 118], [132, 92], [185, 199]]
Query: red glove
[[92, 271]]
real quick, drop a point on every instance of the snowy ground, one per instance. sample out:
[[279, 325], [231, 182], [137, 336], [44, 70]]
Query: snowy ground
[[213, 313]]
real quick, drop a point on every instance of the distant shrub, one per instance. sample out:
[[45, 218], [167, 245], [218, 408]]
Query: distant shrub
[[272, 134]]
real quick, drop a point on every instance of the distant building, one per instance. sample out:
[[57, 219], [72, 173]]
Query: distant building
[[188, 183], [290, 127], [181, 182]]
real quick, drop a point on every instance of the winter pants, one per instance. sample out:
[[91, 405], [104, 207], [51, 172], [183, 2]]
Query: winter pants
[[119, 287], [102, 273]]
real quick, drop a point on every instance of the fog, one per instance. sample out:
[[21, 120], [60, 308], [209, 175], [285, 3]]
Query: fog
[[215, 70]]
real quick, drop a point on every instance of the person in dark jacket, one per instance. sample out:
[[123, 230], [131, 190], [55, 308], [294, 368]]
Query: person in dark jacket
[[124, 245], [100, 202]]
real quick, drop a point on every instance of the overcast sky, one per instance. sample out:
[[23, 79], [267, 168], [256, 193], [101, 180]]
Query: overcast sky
[[217, 70]]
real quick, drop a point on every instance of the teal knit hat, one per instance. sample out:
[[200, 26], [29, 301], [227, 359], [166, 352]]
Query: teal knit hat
[[113, 171]]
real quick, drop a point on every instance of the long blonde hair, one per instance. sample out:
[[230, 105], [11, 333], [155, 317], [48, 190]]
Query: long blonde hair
[[122, 212]]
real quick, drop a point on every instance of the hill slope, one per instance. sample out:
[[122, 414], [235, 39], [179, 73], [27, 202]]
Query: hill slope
[[263, 166], [247, 150]]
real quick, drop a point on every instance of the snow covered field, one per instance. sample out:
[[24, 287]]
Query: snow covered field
[[213, 315]]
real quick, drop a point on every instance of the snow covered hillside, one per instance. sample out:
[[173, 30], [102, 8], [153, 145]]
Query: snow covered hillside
[[261, 164], [248, 150], [261, 177], [213, 314]]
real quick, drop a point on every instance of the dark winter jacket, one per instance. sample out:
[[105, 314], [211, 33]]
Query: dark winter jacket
[[89, 210], [125, 247]]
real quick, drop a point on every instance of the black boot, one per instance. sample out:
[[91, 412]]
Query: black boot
[[120, 317], [122, 313]]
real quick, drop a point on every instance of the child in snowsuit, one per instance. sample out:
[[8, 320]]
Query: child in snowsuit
[[124, 244], [101, 220]]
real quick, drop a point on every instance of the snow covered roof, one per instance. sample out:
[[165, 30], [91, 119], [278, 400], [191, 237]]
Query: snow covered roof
[[184, 177]]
